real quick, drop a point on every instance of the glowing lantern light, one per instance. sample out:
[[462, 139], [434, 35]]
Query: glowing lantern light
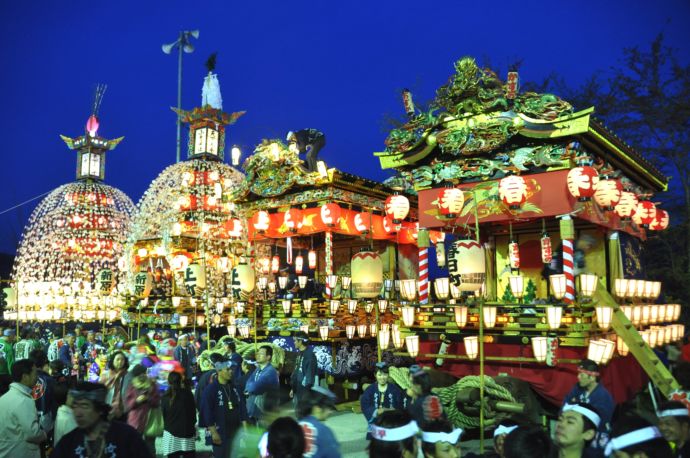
[[92, 125], [242, 279], [517, 283], [384, 338], [466, 265], [293, 219], [311, 258], [299, 264], [397, 206], [645, 213], [398, 341], [661, 220], [625, 208], [408, 315], [383, 304], [539, 348], [350, 331], [546, 249], [275, 264], [261, 221], [582, 182], [367, 274], [604, 315], [363, 222], [489, 317], [553, 316], [588, 284], [471, 346], [442, 288], [330, 214], [608, 193], [514, 255], [460, 313], [362, 331], [450, 202], [513, 191], [243, 330], [622, 347], [558, 283], [352, 306], [184, 319], [373, 329], [620, 287], [412, 343], [335, 305]]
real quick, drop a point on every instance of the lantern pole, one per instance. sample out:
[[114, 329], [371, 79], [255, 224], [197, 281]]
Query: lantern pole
[[480, 303]]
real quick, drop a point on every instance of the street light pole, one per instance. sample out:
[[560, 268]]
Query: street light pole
[[183, 43]]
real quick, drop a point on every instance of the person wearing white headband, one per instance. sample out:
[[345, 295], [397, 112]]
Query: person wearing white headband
[[674, 424], [441, 440], [576, 428], [635, 437], [504, 428], [393, 435]]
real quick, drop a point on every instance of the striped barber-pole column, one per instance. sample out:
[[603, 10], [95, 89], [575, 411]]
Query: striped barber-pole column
[[569, 270], [423, 275]]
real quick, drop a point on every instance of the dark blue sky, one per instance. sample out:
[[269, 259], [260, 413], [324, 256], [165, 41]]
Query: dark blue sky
[[335, 66]]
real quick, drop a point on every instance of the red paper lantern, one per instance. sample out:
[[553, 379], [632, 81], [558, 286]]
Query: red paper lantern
[[363, 222], [661, 220], [261, 221], [234, 227], [92, 125], [607, 193], [299, 264], [265, 264], [389, 226], [397, 206], [293, 219], [514, 255], [450, 202], [582, 182], [546, 250], [275, 264], [644, 213], [513, 191], [625, 208], [330, 214], [311, 257]]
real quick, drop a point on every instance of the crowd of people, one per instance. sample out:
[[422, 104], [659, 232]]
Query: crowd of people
[[55, 404]]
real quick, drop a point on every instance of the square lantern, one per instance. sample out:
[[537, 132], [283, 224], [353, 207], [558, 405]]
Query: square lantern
[[408, 315], [207, 141], [588, 284], [620, 287], [323, 332], [90, 164], [243, 330], [539, 348], [471, 346], [412, 343], [441, 287], [408, 289], [604, 315], [558, 283], [373, 329], [489, 316], [232, 330], [554, 315], [362, 331], [384, 338], [383, 304], [306, 305], [460, 313], [398, 341], [622, 347], [350, 331], [517, 283]]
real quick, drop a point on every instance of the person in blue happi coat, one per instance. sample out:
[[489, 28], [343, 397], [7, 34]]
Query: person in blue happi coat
[[222, 410], [263, 379], [303, 377], [312, 410], [382, 395], [588, 389]]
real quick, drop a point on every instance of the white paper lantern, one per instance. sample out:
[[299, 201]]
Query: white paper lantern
[[466, 265], [367, 274]]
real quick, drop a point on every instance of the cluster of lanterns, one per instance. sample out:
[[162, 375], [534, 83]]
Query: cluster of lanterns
[[584, 183]]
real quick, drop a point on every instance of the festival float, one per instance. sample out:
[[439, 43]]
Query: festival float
[[66, 268], [547, 210], [183, 242]]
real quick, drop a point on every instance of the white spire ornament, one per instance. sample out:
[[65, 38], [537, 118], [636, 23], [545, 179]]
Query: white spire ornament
[[210, 93]]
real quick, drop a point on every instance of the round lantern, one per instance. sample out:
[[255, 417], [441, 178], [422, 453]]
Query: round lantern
[[234, 227], [275, 264], [242, 279], [105, 281], [645, 213], [363, 222], [293, 219], [330, 214], [582, 182], [143, 282], [625, 208], [261, 221], [367, 274], [194, 278], [450, 202], [397, 206], [299, 264], [513, 191], [661, 220], [311, 258], [607, 193], [466, 265]]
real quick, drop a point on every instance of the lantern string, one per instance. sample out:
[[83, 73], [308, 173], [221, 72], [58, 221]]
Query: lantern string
[[25, 202], [543, 225]]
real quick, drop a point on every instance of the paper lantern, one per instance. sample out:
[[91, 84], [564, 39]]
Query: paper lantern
[[440, 254], [242, 280], [608, 193], [620, 287], [661, 220], [645, 213], [194, 279], [287, 306], [397, 206], [442, 288], [299, 264], [293, 219], [334, 306], [184, 319], [261, 221], [471, 346], [243, 330], [350, 331], [362, 331], [600, 351], [330, 214], [367, 274], [539, 348], [514, 255], [383, 304], [398, 341], [622, 347], [373, 329], [311, 258], [143, 282], [546, 249], [489, 316], [513, 191], [582, 182], [553, 316], [352, 306], [105, 282], [265, 264], [408, 289], [275, 264], [588, 284], [383, 338], [604, 315], [412, 343], [306, 305], [408, 315], [460, 313], [626, 206], [450, 202], [466, 265], [363, 222], [517, 283]]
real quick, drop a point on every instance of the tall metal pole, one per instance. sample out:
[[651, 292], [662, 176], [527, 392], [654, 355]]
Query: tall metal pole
[[179, 93]]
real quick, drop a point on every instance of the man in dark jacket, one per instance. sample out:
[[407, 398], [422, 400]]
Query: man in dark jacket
[[304, 376], [264, 378], [43, 391], [184, 354]]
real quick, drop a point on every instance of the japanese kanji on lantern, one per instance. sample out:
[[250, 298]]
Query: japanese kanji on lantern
[[292, 219], [466, 264], [450, 202], [242, 279], [645, 212], [513, 191], [608, 193], [363, 222], [330, 214], [582, 182], [143, 282], [194, 279], [625, 208], [367, 274], [514, 255], [397, 206], [546, 249], [661, 220], [105, 282], [261, 221]]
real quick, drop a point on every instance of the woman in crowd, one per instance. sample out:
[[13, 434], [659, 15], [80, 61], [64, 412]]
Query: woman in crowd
[[394, 435], [142, 396], [64, 420], [425, 407], [382, 395], [441, 440], [113, 378], [179, 416]]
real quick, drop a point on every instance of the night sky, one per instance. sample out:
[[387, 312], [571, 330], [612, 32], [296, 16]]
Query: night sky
[[334, 66]]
